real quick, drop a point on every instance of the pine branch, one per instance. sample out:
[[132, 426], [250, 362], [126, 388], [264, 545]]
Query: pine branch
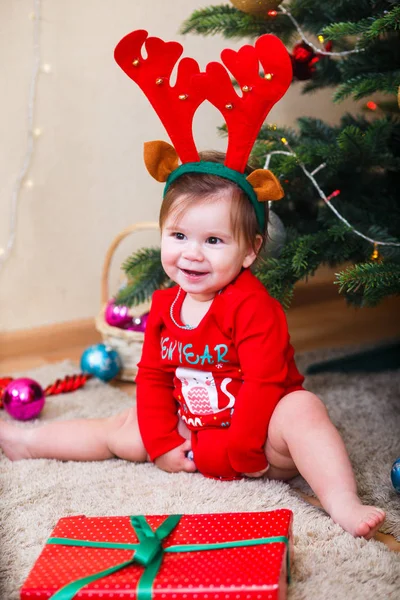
[[316, 129], [368, 283], [273, 134], [377, 68], [389, 22], [338, 30], [233, 23], [365, 85], [368, 29], [277, 278], [351, 142], [314, 16], [141, 261], [302, 255], [145, 275]]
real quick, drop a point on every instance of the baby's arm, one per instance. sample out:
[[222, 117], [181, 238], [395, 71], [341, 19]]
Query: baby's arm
[[262, 341]]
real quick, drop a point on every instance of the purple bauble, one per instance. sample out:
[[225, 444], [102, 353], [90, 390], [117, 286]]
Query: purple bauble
[[23, 399], [118, 315], [139, 323]]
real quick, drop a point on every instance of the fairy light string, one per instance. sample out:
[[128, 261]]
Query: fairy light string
[[309, 174], [27, 160], [322, 195], [284, 11]]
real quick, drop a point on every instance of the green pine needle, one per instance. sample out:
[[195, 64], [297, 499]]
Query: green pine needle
[[361, 86], [367, 284], [233, 23], [145, 275], [389, 22], [338, 30]]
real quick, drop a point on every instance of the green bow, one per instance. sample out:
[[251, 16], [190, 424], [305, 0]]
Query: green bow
[[148, 553]]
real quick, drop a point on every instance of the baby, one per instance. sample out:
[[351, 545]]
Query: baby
[[217, 374]]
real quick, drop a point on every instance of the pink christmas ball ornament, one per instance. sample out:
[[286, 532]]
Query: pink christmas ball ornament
[[118, 315], [23, 399]]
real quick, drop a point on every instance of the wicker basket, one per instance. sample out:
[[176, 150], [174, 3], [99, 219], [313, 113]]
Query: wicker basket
[[128, 344]]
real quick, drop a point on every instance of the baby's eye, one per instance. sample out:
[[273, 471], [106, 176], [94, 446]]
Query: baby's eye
[[213, 240], [178, 235]]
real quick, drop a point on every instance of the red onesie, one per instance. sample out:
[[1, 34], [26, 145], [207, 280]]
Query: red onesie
[[223, 378]]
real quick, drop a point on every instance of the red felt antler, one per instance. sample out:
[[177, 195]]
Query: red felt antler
[[175, 105], [244, 115]]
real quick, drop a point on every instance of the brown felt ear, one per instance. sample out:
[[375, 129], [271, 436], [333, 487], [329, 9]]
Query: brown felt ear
[[265, 185], [160, 159]]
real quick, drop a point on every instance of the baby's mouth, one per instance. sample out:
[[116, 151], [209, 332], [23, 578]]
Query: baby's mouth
[[191, 273]]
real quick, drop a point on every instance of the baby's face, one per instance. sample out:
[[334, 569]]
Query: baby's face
[[199, 251]]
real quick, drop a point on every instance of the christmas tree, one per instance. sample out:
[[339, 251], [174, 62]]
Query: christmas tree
[[341, 182]]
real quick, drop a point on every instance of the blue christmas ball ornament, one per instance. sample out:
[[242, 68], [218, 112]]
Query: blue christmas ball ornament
[[395, 475], [101, 361]]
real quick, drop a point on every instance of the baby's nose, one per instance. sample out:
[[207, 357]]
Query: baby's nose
[[193, 251]]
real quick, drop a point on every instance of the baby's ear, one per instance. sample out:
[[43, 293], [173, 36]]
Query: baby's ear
[[265, 185], [160, 159]]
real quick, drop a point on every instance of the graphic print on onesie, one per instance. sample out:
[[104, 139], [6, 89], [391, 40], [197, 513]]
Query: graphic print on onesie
[[200, 400]]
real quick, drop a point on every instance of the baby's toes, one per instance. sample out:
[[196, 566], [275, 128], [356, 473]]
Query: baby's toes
[[370, 523]]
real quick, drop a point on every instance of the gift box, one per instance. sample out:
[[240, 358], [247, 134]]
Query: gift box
[[226, 556]]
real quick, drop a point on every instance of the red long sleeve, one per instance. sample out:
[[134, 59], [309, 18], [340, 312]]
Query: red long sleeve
[[156, 406]]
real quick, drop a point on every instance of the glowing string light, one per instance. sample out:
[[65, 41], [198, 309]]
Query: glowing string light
[[283, 10], [321, 193], [35, 16]]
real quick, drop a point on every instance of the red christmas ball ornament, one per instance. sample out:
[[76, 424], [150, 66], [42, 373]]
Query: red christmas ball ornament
[[302, 52], [303, 61]]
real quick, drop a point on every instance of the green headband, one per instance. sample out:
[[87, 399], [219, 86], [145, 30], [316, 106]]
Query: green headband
[[213, 168]]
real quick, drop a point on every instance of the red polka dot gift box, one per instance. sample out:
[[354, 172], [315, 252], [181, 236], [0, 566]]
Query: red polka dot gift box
[[226, 556]]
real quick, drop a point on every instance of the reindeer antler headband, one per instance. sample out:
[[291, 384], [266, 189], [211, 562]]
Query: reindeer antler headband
[[176, 106]]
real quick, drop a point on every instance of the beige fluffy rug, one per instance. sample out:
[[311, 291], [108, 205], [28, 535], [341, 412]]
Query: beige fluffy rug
[[328, 562]]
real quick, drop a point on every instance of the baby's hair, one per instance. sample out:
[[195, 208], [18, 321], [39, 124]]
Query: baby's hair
[[200, 187]]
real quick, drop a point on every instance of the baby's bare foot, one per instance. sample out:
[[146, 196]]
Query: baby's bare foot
[[371, 518], [13, 441], [356, 518]]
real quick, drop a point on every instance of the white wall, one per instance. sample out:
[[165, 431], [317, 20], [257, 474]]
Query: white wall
[[89, 181]]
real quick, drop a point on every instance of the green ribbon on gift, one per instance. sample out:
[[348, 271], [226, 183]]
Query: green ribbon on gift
[[149, 553]]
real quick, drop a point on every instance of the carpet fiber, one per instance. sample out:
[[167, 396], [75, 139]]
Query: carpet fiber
[[328, 562]]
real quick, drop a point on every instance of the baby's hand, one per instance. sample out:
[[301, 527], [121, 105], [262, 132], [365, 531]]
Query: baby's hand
[[257, 473], [175, 460]]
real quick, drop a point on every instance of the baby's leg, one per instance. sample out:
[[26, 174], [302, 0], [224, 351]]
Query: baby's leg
[[79, 439], [302, 437]]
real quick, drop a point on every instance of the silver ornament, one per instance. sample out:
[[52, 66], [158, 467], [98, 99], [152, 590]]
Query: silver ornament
[[276, 236]]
